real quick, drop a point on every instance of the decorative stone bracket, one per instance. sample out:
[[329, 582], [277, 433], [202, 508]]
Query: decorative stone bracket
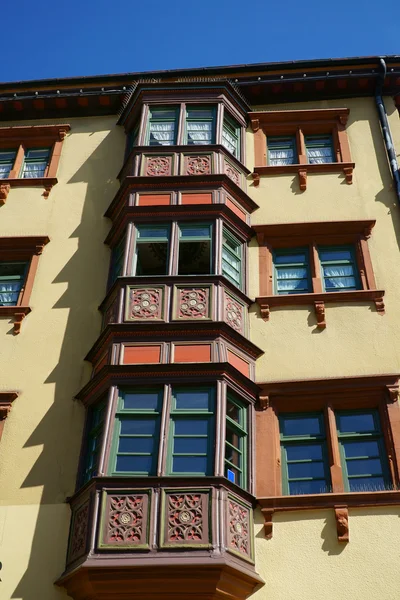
[[303, 170], [6, 400]]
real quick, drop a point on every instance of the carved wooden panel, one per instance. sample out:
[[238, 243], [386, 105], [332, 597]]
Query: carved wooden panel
[[111, 313], [124, 521], [197, 165], [79, 532], [158, 165], [233, 313], [240, 528], [185, 517], [232, 173], [144, 304], [193, 303]]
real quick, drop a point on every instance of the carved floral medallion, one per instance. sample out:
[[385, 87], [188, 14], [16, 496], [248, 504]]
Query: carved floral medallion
[[198, 165], [145, 303], [193, 303], [239, 528], [185, 518], [158, 165], [233, 313], [126, 520]]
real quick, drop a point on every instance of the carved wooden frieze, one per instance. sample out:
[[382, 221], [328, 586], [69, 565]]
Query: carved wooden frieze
[[158, 165], [197, 165], [79, 532], [233, 313], [240, 528], [124, 520], [185, 518], [232, 173], [144, 304], [193, 303]]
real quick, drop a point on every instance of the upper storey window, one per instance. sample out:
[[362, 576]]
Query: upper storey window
[[36, 162], [283, 150], [7, 159], [200, 126], [163, 126]]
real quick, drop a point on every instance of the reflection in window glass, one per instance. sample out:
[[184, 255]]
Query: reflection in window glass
[[152, 250], [195, 251]]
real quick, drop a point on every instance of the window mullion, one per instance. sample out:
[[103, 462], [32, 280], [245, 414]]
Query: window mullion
[[315, 268], [164, 429], [335, 464], [218, 124], [181, 135], [19, 159], [301, 147]]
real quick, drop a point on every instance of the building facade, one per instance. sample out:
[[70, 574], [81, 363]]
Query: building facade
[[200, 334]]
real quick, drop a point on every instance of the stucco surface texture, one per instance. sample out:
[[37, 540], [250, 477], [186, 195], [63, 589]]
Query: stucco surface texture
[[45, 363], [357, 341]]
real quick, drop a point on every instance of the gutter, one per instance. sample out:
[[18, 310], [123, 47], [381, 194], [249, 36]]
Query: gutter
[[387, 136]]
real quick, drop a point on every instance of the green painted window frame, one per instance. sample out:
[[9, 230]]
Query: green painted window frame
[[320, 440], [30, 161], [353, 263], [311, 141], [235, 254], [234, 130], [21, 278], [240, 428], [282, 142], [182, 225], [212, 119], [135, 414], [151, 239], [376, 435], [117, 260], [306, 265], [152, 118], [94, 439], [175, 414], [9, 162]]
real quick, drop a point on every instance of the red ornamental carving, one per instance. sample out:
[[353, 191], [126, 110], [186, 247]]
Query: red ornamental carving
[[185, 518], [126, 520], [193, 303], [232, 174], [145, 303], [79, 532], [233, 313], [198, 165], [159, 165], [239, 531]]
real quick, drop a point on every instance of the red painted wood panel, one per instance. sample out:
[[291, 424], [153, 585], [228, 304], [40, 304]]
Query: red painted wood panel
[[196, 198], [141, 354], [192, 353], [240, 364], [154, 199]]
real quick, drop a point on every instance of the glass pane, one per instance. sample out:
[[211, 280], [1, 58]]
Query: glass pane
[[308, 487], [137, 425], [293, 258], [162, 113], [304, 452], [300, 426], [355, 423], [233, 411], [366, 484], [233, 456], [338, 271], [200, 113], [368, 466], [12, 269], [196, 231], [335, 255], [306, 469], [359, 449], [136, 444], [189, 464], [191, 426], [192, 400], [338, 283], [7, 156], [190, 445], [146, 231], [194, 258], [232, 437], [142, 400], [9, 292], [141, 464], [38, 153], [34, 170], [152, 258]]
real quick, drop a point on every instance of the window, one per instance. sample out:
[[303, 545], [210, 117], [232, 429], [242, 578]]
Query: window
[[302, 142], [30, 152], [94, 439], [231, 136], [162, 127], [292, 274], [362, 450], [304, 454], [35, 163], [151, 250], [232, 258], [18, 263], [12, 279], [7, 159], [200, 126], [194, 249], [236, 441], [316, 263], [117, 260]]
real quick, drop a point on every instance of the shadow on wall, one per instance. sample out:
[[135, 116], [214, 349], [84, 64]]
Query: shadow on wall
[[60, 431]]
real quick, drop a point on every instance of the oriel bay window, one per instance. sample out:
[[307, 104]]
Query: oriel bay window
[[169, 430]]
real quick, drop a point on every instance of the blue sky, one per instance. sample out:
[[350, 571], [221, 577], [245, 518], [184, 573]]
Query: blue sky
[[62, 38]]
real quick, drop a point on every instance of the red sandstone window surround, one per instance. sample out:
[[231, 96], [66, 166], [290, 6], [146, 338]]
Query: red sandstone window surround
[[16, 283], [18, 144], [310, 237], [297, 125]]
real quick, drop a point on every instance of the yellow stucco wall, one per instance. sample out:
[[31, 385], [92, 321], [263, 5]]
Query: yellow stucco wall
[[42, 434]]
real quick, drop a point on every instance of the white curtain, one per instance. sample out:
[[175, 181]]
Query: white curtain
[[281, 157], [162, 133], [229, 141], [4, 171], [34, 170], [339, 277], [199, 133], [320, 155], [9, 293]]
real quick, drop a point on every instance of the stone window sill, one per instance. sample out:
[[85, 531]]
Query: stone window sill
[[17, 313], [303, 169], [46, 182]]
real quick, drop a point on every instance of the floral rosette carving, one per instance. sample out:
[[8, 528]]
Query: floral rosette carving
[[198, 165], [159, 165], [126, 519], [79, 532], [232, 174], [233, 313], [239, 530], [145, 303], [185, 518], [193, 303]]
